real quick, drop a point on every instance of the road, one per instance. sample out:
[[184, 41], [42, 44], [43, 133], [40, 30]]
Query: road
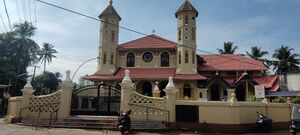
[[13, 129]]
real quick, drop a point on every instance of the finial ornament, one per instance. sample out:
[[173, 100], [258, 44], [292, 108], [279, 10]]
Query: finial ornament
[[170, 85], [68, 73], [110, 2], [127, 77], [153, 31]]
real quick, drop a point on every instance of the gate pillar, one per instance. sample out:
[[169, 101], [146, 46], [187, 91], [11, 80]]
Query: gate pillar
[[171, 92], [66, 96], [126, 90]]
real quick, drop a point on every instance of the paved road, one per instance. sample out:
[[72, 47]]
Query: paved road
[[12, 129]]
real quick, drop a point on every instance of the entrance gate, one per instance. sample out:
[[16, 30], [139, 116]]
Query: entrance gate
[[96, 100]]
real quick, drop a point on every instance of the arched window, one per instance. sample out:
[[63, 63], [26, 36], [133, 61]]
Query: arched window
[[179, 34], [187, 90], [164, 59], [179, 57], [104, 58], [112, 36], [186, 19], [186, 55], [193, 57], [111, 58], [130, 60]]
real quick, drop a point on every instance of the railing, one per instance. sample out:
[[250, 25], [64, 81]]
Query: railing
[[39, 111], [152, 108]]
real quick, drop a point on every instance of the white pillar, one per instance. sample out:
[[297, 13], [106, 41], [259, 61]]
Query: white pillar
[[126, 90], [231, 94], [171, 93], [203, 92], [27, 93], [66, 97]]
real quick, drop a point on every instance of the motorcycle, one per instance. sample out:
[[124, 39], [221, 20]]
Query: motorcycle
[[124, 125], [263, 122]]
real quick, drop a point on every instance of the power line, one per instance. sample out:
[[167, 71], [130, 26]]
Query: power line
[[29, 10], [9, 24], [18, 11], [24, 10], [3, 23], [135, 31], [35, 21]]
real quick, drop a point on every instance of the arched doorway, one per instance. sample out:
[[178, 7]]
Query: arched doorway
[[162, 85], [215, 92], [187, 91], [241, 92], [147, 88]]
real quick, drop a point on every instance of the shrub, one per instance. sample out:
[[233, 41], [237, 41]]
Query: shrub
[[296, 100], [251, 98], [279, 100]]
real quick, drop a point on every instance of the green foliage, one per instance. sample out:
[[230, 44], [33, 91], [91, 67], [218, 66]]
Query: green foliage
[[18, 51], [46, 83], [296, 100], [279, 100], [46, 54], [286, 60], [228, 48], [251, 98]]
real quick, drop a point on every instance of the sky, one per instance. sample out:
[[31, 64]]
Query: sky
[[268, 24]]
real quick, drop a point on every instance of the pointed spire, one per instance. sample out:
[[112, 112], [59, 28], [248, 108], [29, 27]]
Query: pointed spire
[[186, 6], [110, 10]]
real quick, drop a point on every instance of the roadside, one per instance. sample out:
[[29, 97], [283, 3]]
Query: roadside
[[12, 129]]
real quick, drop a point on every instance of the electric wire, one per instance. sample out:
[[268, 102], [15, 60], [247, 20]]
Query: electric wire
[[29, 10], [141, 33], [9, 24], [35, 21], [18, 11], [24, 10], [3, 23]]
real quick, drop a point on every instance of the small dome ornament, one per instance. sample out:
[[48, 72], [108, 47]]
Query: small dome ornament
[[127, 77], [170, 85]]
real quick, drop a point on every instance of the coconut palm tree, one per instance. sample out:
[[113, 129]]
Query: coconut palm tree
[[23, 48], [257, 54], [46, 54], [286, 60], [228, 48]]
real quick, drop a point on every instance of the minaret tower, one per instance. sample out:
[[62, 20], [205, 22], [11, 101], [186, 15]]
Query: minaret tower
[[186, 39], [109, 40]]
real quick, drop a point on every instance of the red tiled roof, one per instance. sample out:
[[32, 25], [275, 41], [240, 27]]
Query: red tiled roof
[[229, 62], [189, 77], [270, 82], [146, 73], [148, 42]]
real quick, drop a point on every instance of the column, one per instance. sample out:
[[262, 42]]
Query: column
[[27, 93], [66, 97], [171, 92], [202, 92], [126, 90], [231, 95]]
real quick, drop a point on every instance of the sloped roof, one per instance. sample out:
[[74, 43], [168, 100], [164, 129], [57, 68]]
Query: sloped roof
[[148, 42], [186, 6], [110, 10], [146, 73], [229, 62]]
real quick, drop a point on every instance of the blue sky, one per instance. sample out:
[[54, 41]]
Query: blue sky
[[265, 23]]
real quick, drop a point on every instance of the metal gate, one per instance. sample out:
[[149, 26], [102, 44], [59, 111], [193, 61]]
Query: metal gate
[[96, 100]]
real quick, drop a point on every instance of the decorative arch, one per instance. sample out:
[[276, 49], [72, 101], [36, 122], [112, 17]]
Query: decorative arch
[[164, 59], [130, 59]]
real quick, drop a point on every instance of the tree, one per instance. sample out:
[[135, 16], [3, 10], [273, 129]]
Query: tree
[[286, 60], [18, 51], [228, 48], [47, 82], [24, 49], [257, 54], [46, 54]]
